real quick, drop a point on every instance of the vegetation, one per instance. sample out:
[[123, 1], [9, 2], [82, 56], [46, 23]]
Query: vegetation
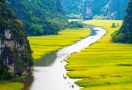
[[39, 17], [75, 24], [22, 56], [93, 9], [15, 51], [46, 44], [72, 8], [42, 45], [124, 34], [104, 65], [100, 17]]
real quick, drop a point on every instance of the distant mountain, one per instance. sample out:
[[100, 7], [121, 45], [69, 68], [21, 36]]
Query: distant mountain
[[124, 34], [98, 9], [39, 17]]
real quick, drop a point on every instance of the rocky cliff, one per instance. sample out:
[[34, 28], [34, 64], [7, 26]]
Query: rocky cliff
[[15, 51], [97, 9], [92, 8], [116, 9]]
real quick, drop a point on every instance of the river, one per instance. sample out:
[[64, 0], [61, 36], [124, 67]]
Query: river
[[50, 73]]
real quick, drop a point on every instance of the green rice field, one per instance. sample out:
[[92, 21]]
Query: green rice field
[[42, 45], [104, 65], [11, 86]]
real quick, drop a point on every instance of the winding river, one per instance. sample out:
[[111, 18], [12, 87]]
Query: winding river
[[50, 73]]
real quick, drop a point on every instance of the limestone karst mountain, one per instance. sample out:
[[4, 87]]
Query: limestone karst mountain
[[39, 17], [15, 51], [124, 34], [98, 9]]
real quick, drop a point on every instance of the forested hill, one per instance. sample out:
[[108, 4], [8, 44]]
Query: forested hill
[[97, 9], [124, 34], [72, 8], [39, 16], [15, 51]]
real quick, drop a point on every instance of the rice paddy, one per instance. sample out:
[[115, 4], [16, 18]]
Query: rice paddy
[[42, 45], [104, 65]]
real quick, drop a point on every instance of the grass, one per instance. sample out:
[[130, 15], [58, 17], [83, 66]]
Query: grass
[[104, 65], [11, 86], [42, 45]]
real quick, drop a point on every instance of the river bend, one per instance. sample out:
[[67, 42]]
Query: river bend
[[49, 73]]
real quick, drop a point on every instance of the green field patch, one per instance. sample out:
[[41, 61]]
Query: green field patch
[[104, 65], [11, 86]]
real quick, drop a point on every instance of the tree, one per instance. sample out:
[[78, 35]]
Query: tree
[[36, 29], [75, 24], [124, 34], [113, 25]]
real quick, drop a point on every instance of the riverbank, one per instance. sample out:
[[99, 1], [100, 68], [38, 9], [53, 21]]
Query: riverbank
[[42, 45], [104, 65], [49, 73]]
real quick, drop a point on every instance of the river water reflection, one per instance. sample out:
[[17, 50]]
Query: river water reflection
[[50, 74]]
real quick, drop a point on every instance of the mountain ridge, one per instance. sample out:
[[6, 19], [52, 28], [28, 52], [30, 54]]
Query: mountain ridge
[[95, 9], [39, 17]]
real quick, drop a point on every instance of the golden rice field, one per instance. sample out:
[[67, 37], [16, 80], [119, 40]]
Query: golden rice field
[[42, 45], [104, 65]]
